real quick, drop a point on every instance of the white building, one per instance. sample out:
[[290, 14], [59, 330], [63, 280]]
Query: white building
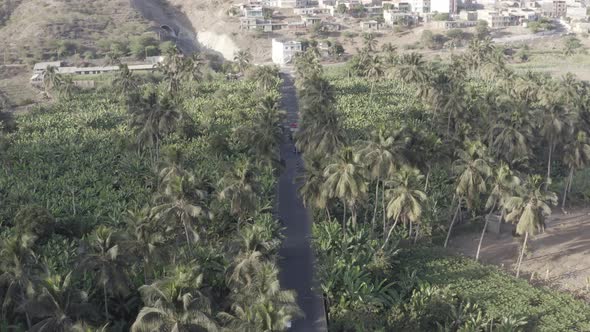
[[444, 6], [288, 3], [421, 6], [283, 51]]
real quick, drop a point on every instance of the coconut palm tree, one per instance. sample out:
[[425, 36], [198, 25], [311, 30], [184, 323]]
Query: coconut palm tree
[[472, 169], [345, 181], [125, 82], [405, 199], [576, 156], [318, 93], [311, 190], [51, 79], [104, 259], [381, 155], [320, 132], [503, 185], [242, 59], [373, 71], [17, 263], [556, 124], [411, 68], [528, 209], [67, 87], [510, 136], [173, 68], [265, 133], [240, 188], [153, 120], [58, 304], [180, 204], [266, 77], [262, 305], [370, 42], [175, 304], [145, 238]]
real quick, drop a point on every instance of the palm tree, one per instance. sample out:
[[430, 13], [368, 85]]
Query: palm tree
[[240, 188], [405, 199], [266, 77], [311, 191], [381, 156], [193, 67], [576, 156], [472, 169], [261, 305], [58, 304], [144, 238], [243, 59], [67, 87], [502, 185], [180, 203], [173, 68], [17, 263], [528, 209], [556, 123], [320, 133], [153, 120], [51, 79], [125, 81], [265, 133], [175, 304], [373, 71], [509, 136], [411, 68], [370, 42], [104, 259], [345, 181]]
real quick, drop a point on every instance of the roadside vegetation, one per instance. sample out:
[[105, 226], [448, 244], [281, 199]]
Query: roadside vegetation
[[144, 207], [399, 151]]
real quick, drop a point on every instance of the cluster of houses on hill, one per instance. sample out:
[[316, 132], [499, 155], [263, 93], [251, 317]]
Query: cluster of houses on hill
[[40, 68], [379, 14]]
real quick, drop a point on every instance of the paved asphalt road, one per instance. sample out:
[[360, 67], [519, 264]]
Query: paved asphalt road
[[297, 262]]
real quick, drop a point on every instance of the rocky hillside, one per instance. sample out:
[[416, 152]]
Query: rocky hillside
[[32, 30]]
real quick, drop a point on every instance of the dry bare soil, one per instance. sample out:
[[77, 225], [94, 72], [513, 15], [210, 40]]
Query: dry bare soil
[[558, 256]]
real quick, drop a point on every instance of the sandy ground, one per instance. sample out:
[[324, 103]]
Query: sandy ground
[[559, 256]]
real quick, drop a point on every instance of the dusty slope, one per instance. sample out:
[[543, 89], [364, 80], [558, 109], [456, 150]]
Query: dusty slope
[[216, 30], [33, 26]]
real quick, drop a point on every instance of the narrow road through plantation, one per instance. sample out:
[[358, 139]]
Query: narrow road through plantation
[[297, 262]]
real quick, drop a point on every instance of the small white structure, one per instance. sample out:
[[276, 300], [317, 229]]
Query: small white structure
[[41, 67], [444, 6], [283, 51]]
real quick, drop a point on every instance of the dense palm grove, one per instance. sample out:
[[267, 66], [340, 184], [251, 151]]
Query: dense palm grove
[[145, 206], [400, 150]]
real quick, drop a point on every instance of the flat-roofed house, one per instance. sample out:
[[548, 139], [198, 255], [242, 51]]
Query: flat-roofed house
[[283, 51]]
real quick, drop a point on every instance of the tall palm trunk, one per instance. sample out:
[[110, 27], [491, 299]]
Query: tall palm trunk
[[22, 294], [389, 233], [106, 300], [551, 146], [417, 231], [328, 214], [376, 204], [568, 187], [344, 220], [526, 237], [383, 207], [427, 179], [483, 232], [452, 222]]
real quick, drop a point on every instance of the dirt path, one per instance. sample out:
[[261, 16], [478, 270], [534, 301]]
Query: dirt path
[[560, 255]]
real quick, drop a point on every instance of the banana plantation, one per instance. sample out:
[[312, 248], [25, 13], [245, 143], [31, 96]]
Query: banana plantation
[[148, 204]]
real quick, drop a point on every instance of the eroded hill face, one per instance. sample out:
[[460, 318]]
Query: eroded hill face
[[33, 30]]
